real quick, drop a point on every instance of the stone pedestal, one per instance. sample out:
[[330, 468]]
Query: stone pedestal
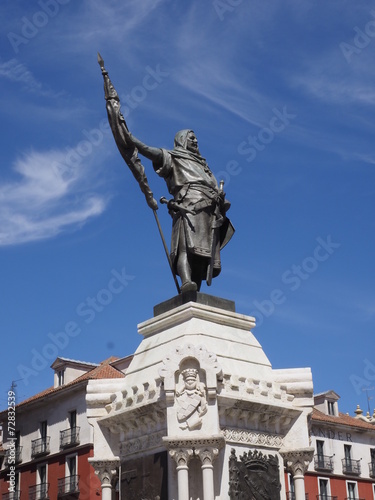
[[198, 392]]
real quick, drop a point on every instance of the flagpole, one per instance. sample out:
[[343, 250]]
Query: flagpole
[[167, 252], [129, 153]]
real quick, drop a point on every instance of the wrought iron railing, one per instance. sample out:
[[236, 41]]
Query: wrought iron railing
[[69, 437], [67, 485], [325, 497], [371, 467], [39, 491], [40, 446], [354, 498], [350, 466], [292, 496], [323, 462], [13, 456], [11, 495]]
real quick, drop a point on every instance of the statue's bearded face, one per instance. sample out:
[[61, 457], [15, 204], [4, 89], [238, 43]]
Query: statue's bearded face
[[192, 143]]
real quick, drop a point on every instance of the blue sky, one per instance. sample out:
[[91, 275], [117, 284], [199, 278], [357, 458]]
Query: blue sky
[[281, 97]]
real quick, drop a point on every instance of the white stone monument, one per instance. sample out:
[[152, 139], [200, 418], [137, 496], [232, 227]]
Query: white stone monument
[[201, 414]]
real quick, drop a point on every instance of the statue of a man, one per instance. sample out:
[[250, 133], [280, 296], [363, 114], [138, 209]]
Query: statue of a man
[[198, 208], [200, 226]]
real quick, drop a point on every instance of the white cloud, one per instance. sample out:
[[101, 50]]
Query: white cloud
[[17, 72], [48, 197]]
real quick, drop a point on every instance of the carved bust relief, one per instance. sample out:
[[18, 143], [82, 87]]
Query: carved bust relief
[[191, 402]]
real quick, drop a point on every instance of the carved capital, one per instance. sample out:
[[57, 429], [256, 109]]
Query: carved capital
[[181, 456], [106, 470], [207, 455], [297, 461]]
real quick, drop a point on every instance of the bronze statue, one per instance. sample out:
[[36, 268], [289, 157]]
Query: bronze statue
[[198, 208]]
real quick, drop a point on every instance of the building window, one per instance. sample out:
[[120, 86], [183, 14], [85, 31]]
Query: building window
[[291, 487], [42, 483], [17, 482], [320, 450], [73, 419], [372, 463], [352, 490], [43, 429], [60, 377], [69, 483], [331, 407], [348, 453], [324, 490]]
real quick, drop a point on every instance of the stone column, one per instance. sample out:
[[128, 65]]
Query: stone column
[[106, 470], [297, 463], [207, 456], [182, 457]]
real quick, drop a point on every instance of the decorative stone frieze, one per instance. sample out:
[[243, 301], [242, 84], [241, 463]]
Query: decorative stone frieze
[[251, 415], [142, 443], [252, 438], [247, 387], [196, 442]]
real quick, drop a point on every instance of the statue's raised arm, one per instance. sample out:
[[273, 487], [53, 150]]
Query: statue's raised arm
[[120, 133]]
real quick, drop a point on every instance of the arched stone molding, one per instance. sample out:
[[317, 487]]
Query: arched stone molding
[[207, 362]]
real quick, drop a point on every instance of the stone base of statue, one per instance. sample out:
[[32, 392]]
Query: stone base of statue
[[201, 414]]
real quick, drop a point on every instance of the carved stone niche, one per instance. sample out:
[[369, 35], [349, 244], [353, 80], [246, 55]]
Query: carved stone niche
[[190, 375], [254, 476]]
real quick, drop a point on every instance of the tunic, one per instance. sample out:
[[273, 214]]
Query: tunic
[[194, 187]]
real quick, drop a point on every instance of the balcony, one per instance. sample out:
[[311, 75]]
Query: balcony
[[350, 466], [354, 498], [371, 467], [325, 497], [38, 491], [68, 486], [13, 456], [11, 495], [69, 437], [322, 462], [40, 446], [292, 496]]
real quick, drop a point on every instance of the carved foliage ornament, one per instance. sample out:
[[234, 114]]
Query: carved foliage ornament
[[254, 477]]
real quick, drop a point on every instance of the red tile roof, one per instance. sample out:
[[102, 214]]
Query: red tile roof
[[342, 419], [102, 371]]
